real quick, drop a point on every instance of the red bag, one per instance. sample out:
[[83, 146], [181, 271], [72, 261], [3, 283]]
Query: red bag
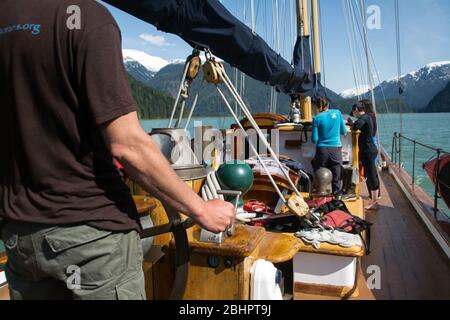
[[261, 209], [339, 220], [317, 203], [257, 207], [347, 222]]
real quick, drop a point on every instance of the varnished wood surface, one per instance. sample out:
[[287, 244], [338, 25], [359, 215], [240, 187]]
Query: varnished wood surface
[[303, 290], [144, 204], [327, 248], [4, 293], [290, 128], [148, 275], [411, 263], [3, 259], [242, 244], [207, 283], [277, 247], [264, 120]]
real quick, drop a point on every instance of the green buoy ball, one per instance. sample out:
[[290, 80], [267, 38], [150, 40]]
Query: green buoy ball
[[236, 176]]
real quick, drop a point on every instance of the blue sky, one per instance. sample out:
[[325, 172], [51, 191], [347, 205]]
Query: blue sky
[[425, 31]]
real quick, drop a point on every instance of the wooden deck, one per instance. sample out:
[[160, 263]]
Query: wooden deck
[[412, 265]]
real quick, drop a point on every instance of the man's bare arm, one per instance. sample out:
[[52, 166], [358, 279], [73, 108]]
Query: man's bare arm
[[147, 166]]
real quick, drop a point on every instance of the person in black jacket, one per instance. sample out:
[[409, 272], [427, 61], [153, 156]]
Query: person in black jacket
[[368, 152]]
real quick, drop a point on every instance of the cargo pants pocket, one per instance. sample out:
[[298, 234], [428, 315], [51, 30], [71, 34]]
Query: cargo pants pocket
[[96, 253], [62, 239], [132, 289]]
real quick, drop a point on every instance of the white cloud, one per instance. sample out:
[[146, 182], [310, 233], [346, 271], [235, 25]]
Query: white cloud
[[159, 41]]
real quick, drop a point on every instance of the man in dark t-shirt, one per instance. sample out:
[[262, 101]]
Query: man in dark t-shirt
[[66, 110]]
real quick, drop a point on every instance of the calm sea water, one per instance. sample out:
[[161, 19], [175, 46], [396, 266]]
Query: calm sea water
[[431, 129]]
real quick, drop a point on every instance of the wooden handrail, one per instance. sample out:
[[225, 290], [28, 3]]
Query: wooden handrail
[[3, 259]]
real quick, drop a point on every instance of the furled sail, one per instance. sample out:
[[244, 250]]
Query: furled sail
[[207, 24], [303, 63]]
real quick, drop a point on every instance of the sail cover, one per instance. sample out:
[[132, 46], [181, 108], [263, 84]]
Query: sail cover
[[207, 24], [311, 85]]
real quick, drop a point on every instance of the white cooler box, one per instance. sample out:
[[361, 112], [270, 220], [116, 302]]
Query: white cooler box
[[324, 271]]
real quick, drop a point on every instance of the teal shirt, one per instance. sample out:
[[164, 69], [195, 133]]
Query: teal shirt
[[327, 129]]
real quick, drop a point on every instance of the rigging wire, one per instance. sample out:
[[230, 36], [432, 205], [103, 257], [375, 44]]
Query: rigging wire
[[276, 41], [293, 33], [322, 45], [357, 28], [399, 62], [350, 44], [376, 72], [369, 67], [380, 85], [252, 10], [356, 57]]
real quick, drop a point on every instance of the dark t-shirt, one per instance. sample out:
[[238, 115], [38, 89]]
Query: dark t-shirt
[[57, 85], [373, 116], [366, 142]]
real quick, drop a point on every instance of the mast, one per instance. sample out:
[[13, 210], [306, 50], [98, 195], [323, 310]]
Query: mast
[[303, 30], [316, 36]]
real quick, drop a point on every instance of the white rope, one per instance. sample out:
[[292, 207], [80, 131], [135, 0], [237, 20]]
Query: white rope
[[280, 194], [317, 236], [216, 183], [180, 116], [194, 104], [212, 186], [178, 95], [255, 126]]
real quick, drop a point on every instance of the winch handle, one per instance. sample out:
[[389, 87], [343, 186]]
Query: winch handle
[[230, 230]]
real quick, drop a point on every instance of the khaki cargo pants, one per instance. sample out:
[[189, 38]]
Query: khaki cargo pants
[[75, 262]]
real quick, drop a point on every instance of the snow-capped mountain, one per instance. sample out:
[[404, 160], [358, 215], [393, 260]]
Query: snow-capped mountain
[[141, 65], [144, 67], [353, 92], [419, 86], [152, 63]]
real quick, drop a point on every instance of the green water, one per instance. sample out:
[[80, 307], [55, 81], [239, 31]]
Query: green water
[[431, 129]]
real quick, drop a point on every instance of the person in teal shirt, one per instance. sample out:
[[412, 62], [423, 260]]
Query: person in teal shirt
[[328, 126]]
